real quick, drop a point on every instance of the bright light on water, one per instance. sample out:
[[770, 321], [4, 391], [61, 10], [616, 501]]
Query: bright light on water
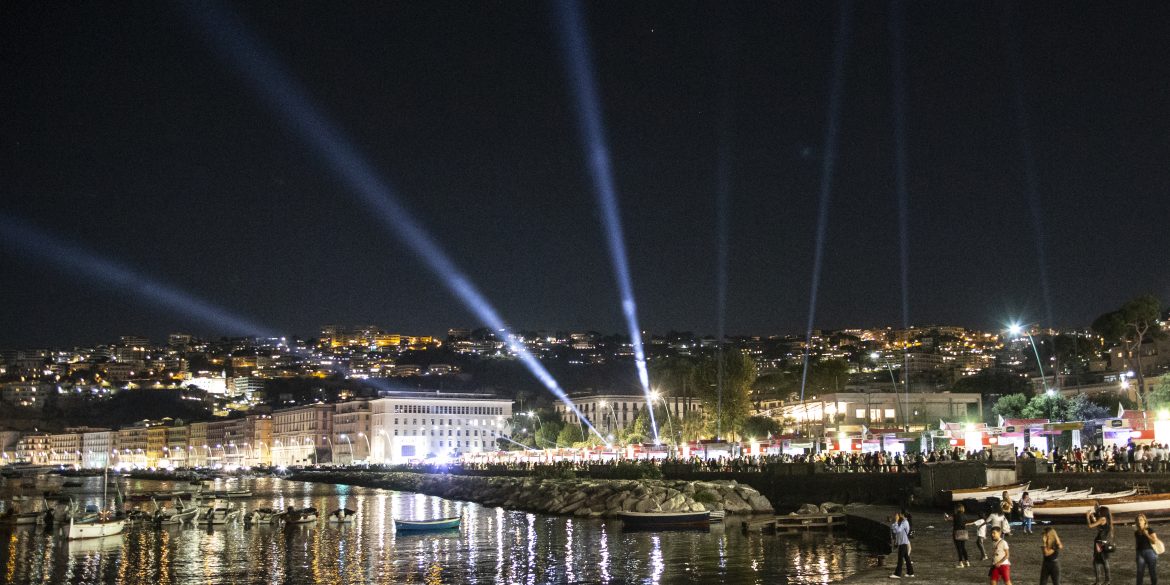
[[493, 546]]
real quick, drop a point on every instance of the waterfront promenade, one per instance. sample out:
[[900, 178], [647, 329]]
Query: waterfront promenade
[[933, 553]]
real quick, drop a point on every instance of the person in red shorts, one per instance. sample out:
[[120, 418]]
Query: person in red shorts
[[1001, 567]]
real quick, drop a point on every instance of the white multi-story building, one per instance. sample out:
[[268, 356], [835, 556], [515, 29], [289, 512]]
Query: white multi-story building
[[97, 448], [611, 413], [351, 432], [419, 425], [33, 448], [302, 435], [65, 448]]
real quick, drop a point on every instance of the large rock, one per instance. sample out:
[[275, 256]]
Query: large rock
[[808, 509], [760, 504]]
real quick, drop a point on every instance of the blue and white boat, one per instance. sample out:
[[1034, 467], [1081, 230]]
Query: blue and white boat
[[436, 524]]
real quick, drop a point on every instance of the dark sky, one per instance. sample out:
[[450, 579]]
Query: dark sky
[[124, 132]]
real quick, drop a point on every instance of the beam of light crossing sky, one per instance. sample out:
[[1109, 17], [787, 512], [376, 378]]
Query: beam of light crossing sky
[[575, 51], [724, 131], [79, 263], [1024, 134], [90, 267], [227, 35], [828, 161], [902, 192]]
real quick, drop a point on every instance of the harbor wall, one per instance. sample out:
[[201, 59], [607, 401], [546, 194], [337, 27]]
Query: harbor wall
[[578, 497]]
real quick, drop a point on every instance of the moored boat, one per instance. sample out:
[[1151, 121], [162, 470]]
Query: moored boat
[[436, 524], [1014, 491], [232, 494], [1153, 505], [664, 519], [219, 514], [96, 528], [302, 516], [266, 516], [342, 516], [179, 513]]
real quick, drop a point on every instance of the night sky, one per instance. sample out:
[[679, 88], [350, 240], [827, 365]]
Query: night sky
[[124, 132]]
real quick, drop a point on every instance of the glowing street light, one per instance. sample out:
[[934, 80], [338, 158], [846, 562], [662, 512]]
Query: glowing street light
[[1016, 329]]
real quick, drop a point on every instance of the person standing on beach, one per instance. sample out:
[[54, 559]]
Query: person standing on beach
[[1144, 541], [996, 519], [980, 534], [901, 531], [1102, 520], [1026, 512], [1050, 547], [960, 534], [1001, 563]]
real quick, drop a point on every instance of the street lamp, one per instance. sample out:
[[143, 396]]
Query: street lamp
[[330, 441], [906, 405], [369, 450], [346, 437], [1016, 329], [655, 395]]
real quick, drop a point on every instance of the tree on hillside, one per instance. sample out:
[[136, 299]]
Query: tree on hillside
[[1129, 326], [1011, 406], [825, 377], [739, 372], [572, 435], [1159, 397], [673, 376], [1053, 408], [638, 431], [760, 428], [775, 385]]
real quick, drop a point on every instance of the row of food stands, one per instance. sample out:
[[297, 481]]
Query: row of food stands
[[1020, 434]]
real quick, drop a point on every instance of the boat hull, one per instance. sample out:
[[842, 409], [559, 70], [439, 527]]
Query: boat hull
[[1156, 505], [651, 520], [439, 524], [95, 529], [993, 491]]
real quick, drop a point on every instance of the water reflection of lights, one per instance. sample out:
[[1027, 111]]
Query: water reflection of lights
[[494, 546], [656, 563]]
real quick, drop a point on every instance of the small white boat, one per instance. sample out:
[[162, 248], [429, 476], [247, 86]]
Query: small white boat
[[717, 515], [342, 516], [1050, 495], [22, 518], [96, 528], [1077, 495], [266, 516], [179, 513], [1014, 491], [218, 515], [302, 516]]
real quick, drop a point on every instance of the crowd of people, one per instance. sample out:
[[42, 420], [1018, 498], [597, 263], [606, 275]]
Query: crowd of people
[[990, 529], [1150, 458], [1089, 459]]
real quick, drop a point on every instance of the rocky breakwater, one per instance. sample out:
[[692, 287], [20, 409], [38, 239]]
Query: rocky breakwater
[[595, 498]]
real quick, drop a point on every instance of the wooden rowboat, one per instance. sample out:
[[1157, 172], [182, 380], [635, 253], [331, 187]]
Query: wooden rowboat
[[1014, 491], [1150, 505], [654, 520], [436, 524]]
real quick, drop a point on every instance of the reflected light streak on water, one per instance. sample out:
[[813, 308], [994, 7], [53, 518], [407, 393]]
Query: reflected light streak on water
[[493, 546], [656, 564]]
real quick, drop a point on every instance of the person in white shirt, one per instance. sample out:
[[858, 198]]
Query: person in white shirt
[[1001, 564], [996, 519], [980, 534]]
